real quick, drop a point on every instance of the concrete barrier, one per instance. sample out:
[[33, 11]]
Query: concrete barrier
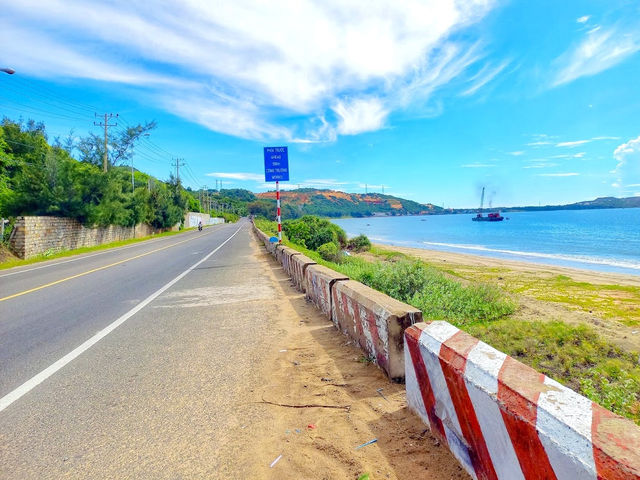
[[504, 420], [299, 264], [376, 321], [262, 236], [318, 283], [285, 259]]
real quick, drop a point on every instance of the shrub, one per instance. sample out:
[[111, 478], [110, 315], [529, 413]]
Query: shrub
[[401, 280], [359, 244], [312, 232], [331, 252]]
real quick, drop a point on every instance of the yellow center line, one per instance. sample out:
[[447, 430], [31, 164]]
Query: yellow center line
[[93, 270]]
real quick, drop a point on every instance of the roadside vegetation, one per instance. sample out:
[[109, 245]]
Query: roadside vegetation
[[65, 178], [483, 302]]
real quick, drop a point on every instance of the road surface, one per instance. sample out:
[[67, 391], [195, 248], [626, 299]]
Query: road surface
[[156, 396], [185, 357]]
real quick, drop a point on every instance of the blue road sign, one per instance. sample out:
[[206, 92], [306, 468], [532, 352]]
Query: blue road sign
[[276, 164]]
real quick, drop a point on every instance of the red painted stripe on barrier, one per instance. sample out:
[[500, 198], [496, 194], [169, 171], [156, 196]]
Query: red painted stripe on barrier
[[375, 337], [519, 388], [356, 314], [412, 336], [279, 227], [616, 446], [453, 360]]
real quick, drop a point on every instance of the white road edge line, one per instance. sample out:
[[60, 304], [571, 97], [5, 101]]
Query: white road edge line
[[27, 386]]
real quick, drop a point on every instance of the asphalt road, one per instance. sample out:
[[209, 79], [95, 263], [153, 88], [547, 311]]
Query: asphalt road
[[152, 398]]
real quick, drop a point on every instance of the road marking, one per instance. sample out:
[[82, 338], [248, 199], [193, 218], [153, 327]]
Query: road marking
[[82, 257], [35, 289], [27, 386]]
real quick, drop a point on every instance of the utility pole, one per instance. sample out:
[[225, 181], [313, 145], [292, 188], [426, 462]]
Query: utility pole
[[178, 163], [383, 189], [106, 124]]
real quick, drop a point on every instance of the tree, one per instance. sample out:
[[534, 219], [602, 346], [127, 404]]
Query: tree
[[121, 145]]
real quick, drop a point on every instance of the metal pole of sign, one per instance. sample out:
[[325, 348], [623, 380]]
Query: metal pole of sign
[[279, 214]]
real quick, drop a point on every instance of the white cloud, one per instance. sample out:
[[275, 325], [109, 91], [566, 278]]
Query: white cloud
[[517, 153], [539, 144], [274, 69], [571, 174], [360, 115], [541, 165], [583, 19], [484, 76], [601, 49], [242, 176], [627, 171], [572, 144], [478, 165]]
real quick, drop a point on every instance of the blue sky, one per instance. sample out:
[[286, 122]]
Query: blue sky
[[537, 101]]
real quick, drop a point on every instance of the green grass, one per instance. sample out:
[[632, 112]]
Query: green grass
[[51, 254], [576, 356]]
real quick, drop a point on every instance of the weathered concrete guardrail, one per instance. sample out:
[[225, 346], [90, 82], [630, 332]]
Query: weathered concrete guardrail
[[376, 321], [503, 420], [299, 264], [286, 254], [319, 280]]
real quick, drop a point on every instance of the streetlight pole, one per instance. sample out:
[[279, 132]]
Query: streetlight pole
[[8, 71]]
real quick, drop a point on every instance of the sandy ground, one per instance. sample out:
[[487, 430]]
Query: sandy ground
[[627, 336], [449, 258], [320, 401]]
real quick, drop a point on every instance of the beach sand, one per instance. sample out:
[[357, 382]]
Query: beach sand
[[609, 302], [446, 259]]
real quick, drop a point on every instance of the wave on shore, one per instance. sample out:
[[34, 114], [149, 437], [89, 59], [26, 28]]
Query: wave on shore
[[537, 255]]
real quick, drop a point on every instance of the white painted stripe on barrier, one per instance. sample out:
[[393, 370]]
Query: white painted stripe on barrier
[[366, 330], [414, 395], [481, 379], [432, 338], [564, 422]]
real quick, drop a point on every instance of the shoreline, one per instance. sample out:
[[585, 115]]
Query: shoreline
[[444, 258]]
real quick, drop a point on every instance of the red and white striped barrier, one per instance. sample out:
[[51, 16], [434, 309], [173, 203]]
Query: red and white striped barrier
[[298, 265], [286, 254], [375, 321], [503, 420], [318, 281]]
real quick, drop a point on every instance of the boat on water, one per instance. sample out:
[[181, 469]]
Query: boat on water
[[491, 217]]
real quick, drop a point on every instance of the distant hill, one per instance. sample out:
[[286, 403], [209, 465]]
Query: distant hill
[[331, 203], [598, 203]]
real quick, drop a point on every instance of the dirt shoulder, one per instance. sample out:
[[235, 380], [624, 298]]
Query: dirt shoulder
[[609, 302], [343, 402]]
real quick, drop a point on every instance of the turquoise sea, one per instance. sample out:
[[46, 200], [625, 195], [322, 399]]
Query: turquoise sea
[[605, 240]]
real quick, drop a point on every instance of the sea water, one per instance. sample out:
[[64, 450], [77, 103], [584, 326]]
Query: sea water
[[604, 240]]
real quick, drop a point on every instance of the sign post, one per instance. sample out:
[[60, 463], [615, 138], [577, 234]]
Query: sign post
[[276, 169]]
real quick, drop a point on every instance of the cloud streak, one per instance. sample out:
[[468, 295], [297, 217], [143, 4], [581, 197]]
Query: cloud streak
[[602, 48], [304, 71]]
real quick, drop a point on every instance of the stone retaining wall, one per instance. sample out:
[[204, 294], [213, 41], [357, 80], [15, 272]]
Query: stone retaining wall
[[32, 236]]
